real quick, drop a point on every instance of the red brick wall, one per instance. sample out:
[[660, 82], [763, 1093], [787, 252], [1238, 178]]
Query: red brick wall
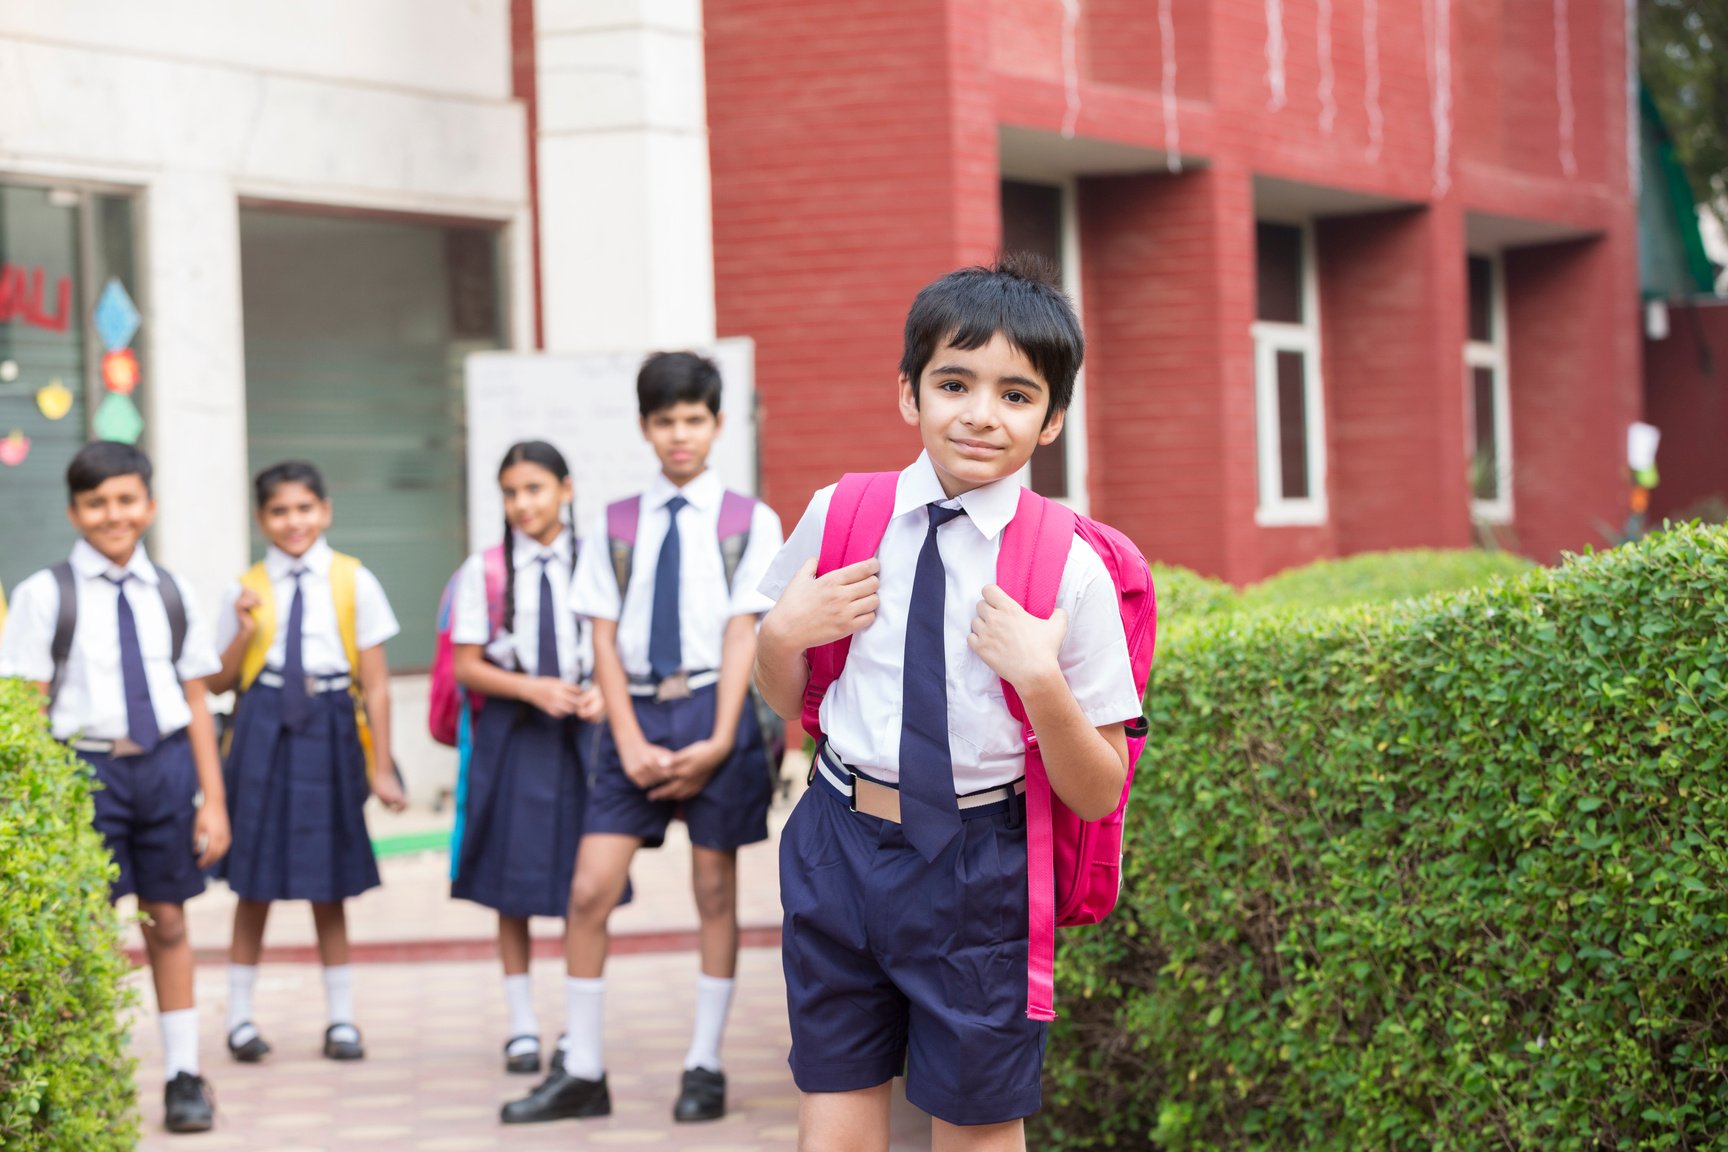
[[1686, 396]]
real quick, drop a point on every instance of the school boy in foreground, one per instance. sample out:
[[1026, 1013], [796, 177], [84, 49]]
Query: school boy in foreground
[[905, 932], [128, 695], [674, 625]]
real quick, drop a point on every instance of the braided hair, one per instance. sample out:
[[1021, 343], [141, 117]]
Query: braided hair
[[543, 454]]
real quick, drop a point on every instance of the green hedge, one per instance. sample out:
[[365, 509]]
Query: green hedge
[[1381, 577], [65, 1071], [1184, 595], [1447, 874]]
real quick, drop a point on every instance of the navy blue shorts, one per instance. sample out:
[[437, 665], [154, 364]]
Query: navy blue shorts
[[145, 810], [894, 963], [730, 811]]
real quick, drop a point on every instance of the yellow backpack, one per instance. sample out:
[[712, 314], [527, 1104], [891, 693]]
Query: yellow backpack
[[344, 574], [2, 608]]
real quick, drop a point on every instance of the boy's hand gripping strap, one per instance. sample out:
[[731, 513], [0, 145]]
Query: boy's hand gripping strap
[[1029, 568], [858, 515]]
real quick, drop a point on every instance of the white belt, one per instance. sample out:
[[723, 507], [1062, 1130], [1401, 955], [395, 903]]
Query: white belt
[[883, 800], [314, 684], [674, 687]]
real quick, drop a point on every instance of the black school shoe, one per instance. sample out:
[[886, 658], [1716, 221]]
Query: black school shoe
[[525, 1062], [186, 1104], [251, 1052], [344, 1048], [559, 1097], [701, 1096]]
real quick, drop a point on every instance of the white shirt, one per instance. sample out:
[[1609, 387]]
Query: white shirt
[[861, 712], [518, 648], [321, 651], [92, 699], [704, 603]]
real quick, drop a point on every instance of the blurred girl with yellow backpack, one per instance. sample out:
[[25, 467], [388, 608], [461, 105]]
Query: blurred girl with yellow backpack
[[302, 638]]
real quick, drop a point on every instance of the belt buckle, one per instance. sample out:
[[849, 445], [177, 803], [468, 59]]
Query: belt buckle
[[674, 687]]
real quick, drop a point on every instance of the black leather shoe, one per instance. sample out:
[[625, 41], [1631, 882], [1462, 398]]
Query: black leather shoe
[[559, 1097], [701, 1096], [186, 1104], [251, 1052], [525, 1062], [342, 1048]]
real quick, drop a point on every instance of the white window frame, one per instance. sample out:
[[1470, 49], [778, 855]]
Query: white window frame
[[1492, 355], [1270, 338], [1074, 420]]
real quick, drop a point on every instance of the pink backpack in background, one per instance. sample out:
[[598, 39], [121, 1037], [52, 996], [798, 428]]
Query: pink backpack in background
[[444, 704], [1073, 866]]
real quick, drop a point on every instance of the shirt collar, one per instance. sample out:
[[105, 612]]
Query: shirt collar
[[278, 565], [989, 507], [703, 492], [91, 564], [527, 550]]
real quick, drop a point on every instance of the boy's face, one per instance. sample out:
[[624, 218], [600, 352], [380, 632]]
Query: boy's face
[[294, 517], [682, 435], [980, 412], [113, 516]]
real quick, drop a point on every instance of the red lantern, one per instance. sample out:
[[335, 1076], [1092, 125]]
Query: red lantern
[[120, 371]]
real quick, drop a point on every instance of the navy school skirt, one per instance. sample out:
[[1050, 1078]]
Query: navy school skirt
[[296, 802], [522, 807]]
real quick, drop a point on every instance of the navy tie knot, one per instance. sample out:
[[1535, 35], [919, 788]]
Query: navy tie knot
[[940, 515], [676, 505]]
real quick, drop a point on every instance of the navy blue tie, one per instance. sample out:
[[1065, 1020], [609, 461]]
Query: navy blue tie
[[141, 727], [665, 645], [546, 663], [296, 707], [928, 811]]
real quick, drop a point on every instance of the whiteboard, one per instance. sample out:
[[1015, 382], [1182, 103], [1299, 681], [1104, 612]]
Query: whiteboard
[[585, 406]]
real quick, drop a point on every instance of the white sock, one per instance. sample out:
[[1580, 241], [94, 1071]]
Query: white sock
[[584, 1048], [339, 995], [713, 1002], [519, 996], [242, 978], [179, 1042]]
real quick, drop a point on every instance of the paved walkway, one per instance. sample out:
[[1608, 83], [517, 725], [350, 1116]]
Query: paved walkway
[[429, 1001]]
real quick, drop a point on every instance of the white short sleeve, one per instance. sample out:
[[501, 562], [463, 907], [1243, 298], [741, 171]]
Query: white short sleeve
[[198, 657], [805, 543], [1094, 653], [470, 622], [764, 544], [374, 619], [594, 587], [27, 642]]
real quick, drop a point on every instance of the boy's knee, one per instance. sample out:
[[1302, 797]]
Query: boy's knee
[[165, 924], [716, 892], [593, 897]]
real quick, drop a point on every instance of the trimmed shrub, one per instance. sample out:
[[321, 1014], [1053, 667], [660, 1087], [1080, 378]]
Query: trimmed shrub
[[1381, 577], [1185, 596], [65, 1071], [1446, 874]]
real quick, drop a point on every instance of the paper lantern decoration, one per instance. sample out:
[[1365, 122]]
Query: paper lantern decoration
[[118, 419], [14, 449], [8, 371], [120, 371], [55, 400]]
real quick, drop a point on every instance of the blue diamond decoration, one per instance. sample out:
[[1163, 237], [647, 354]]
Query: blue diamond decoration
[[116, 317]]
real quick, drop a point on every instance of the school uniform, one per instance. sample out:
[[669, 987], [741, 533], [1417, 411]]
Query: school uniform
[[732, 808], [894, 960], [147, 803], [525, 790], [296, 772]]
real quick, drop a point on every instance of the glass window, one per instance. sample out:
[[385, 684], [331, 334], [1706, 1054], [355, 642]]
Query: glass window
[[1278, 273], [1032, 222], [1481, 276], [1293, 425], [356, 332], [1484, 471], [1287, 380], [1487, 395]]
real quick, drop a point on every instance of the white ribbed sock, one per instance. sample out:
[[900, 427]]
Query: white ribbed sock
[[519, 996], [713, 1002], [179, 1042], [584, 1047], [339, 996], [242, 978]]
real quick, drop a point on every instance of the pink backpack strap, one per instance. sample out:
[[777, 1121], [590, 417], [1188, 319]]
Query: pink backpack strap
[[858, 515], [493, 561], [737, 512], [1029, 566]]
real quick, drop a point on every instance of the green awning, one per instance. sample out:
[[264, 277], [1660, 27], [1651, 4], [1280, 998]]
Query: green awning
[[1671, 259]]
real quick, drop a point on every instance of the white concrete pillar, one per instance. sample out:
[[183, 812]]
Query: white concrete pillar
[[626, 237], [195, 390]]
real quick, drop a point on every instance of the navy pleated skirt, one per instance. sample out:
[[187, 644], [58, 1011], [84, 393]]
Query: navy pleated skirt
[[522, 805], [296, 801]]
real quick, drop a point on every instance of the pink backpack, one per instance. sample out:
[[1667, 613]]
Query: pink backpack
[[1084, 859], [444, 707]]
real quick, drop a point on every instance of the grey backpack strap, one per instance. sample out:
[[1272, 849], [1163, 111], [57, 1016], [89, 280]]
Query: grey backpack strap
[[175, 605], [65, 623]]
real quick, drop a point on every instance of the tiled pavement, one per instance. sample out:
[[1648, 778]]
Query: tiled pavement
[[429, 1001]]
